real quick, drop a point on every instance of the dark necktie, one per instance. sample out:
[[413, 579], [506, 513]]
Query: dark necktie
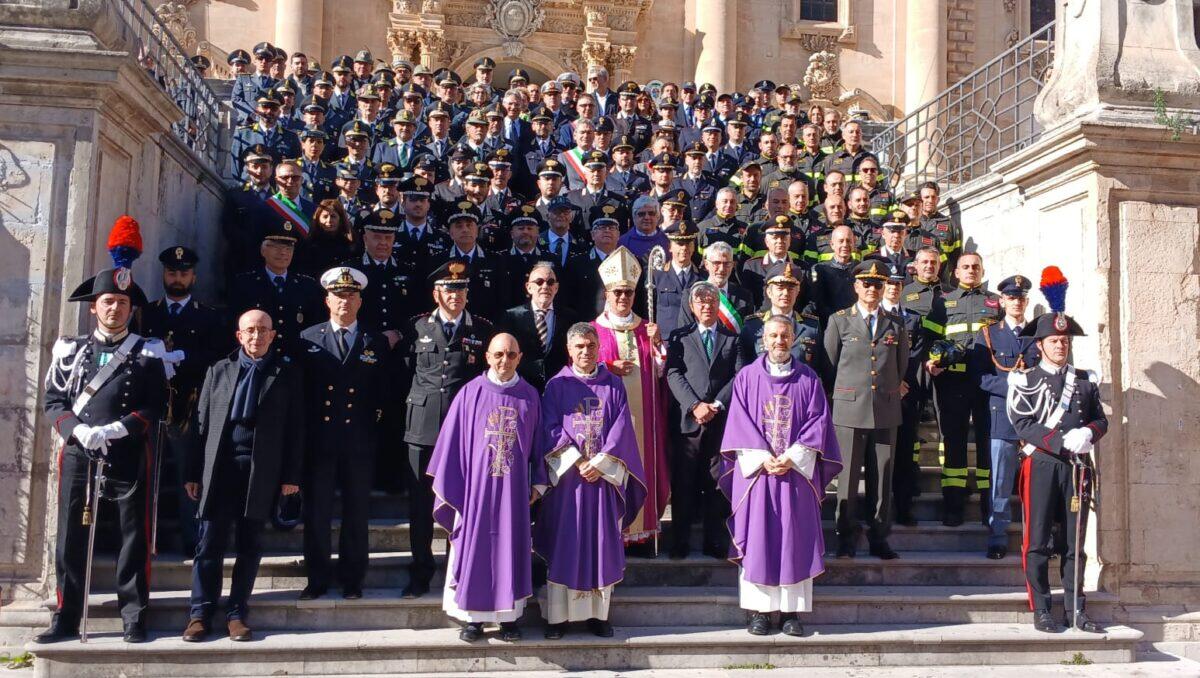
[[448, 330], [343, 347], [279, 281], [558, 250], [707, 339], [175, 308], [871, 325], [539, 319]]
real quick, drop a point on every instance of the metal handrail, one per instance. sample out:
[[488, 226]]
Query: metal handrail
[[168, 65], [962, 132]]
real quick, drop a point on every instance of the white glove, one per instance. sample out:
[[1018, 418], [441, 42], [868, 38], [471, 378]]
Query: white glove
[[1078, 440], [174, 357], [91, 437], [114, 430]]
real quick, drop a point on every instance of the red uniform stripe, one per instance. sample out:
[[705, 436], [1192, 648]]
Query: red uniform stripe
[[1026, 473], [58, 478]]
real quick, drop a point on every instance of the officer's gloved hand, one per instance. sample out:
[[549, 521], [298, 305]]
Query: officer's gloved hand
[[91, 437], [1078, 440], [114, 430]]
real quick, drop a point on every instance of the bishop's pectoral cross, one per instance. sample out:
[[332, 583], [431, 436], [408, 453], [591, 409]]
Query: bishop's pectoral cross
[[777, 422], [588, 422], [500, 435]]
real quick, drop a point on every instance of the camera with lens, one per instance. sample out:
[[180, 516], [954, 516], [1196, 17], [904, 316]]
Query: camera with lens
[[944, 352]]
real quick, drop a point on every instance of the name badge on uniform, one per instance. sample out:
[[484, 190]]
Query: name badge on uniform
[[951, 304], [913, 296]]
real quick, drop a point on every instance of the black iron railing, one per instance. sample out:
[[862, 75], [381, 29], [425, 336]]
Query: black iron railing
[[168, 65], [981, 119]]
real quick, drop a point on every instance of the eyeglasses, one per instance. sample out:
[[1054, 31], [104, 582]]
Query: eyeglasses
[[622, 293], [548, 282], [871, 284], [287, 177], [872, 170], [646, 213]]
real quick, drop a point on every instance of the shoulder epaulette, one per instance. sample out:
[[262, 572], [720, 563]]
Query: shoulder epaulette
[[841, 312]]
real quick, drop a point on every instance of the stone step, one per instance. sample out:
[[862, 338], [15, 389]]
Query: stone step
[[390, 535], [389, 570], [382, 652], [632, 606]]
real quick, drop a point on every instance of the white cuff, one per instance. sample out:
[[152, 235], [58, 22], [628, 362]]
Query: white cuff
[[804, 459], [610, 468], [561, 461], [749, 461], [114, 430]]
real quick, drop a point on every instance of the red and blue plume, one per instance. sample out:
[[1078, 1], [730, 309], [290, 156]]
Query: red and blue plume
[[1054, 288], [125, 241]]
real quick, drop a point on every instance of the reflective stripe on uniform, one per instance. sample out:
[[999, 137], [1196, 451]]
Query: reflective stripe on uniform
[[932, 326], [983, 478], [964, 328], [954, 477], [917, 451]]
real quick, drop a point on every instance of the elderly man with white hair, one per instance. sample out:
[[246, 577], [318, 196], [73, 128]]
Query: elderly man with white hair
[[645, 234]]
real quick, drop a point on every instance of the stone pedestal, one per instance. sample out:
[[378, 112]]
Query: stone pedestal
[[84, 137]]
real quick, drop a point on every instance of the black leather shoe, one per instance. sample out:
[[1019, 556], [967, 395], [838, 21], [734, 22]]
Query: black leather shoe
[[845, 549], [510, 632], [997, 552], [1083, 623], [792, 626], [760, 624], [556, 631], [881, 550], [352, 592], [600, 627], [471, 633], [58, 631], [311, 592], [1044, 622], [135, 632], [414, 590]]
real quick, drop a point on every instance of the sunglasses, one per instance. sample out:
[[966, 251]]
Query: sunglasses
[[622, 293], [871, 284], [548, 282]]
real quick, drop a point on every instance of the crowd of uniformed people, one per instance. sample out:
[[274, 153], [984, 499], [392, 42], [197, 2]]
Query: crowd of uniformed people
[[386, 220]]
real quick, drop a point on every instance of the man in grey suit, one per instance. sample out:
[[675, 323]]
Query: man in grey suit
[[868, 351], [251, 420], [702, 360]]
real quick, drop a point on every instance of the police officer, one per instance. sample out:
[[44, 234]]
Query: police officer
[[957, 396], [248, 88], [419, 245], [266, 130], [246, 211], [486, 270], [104, 396], [318, 175], [907, 469], [345, 367], [833, 280], [868, 352], [444, 350], [777, 241], [292, 299], [194, 330], [782, 292], [673, 283], [999, 350], [1056, 437]]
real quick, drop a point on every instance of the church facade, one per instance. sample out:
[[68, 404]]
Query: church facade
[[882, 57]]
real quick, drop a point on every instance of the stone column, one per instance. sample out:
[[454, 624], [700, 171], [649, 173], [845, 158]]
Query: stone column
[[298, 26], [716, 37], [924, 52], [620, 63]]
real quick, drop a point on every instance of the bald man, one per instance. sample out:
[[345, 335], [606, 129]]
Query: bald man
[[482, 485], [250, 416], [833, 279]]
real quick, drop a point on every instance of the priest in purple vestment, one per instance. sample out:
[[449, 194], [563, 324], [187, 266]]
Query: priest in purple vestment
[[594, 487], [481, 483], [778, 454]]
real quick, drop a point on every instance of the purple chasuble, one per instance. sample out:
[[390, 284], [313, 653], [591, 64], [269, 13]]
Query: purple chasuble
[[481, 480], [775, 521], [640, 244], [578, 530]]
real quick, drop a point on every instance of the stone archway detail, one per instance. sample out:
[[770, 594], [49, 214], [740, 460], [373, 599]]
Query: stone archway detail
[[465, 65]]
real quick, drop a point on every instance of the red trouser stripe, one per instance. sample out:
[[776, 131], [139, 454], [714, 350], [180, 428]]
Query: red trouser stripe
[[1026, 473], [58, 586]]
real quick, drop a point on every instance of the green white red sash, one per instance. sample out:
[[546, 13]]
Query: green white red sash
[[728, 315], [289, 210], [574, 158]]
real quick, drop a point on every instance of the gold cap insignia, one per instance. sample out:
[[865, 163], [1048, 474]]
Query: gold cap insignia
[[386, 215], [608, 209], [178, 252]]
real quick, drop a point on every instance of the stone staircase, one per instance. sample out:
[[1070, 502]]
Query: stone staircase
[[942, 602]]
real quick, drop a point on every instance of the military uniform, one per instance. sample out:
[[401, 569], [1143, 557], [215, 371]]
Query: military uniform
[[907, 469], [731, 230], [242, 223], [440, 364], [1058, 413], [117, 422], [842, 160], [949, 237], [959, 401], [282, 142], [345, 379], [832, 288], [672, 305], [808, 347], [318, 177], [869, 358]]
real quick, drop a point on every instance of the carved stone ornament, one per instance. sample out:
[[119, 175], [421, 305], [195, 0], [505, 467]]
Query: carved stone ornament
[[406, 6], [1010, 6], [821, 76], [813, 43], [515, 20], [174, 15]]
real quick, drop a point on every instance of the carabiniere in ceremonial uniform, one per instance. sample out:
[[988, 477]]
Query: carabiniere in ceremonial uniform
[[105, 395]]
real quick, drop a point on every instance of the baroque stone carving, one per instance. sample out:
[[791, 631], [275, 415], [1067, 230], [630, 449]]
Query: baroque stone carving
[[821, 76], [571, 25], [431, 6], [433, 43], [472, 20], [1012, 38], [404, 44], [620, 57], [595, 53], [813, 43], [573, 59], [174, 16], [515, 20], [596, 18], [1010, 6], [406, 6]]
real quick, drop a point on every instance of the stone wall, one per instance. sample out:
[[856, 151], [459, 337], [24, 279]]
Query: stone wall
[[84, 137], [960, 39], [1116, 206]]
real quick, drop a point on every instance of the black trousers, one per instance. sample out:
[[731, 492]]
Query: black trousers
[[866, 453], [1046, 487], [960, 404], [694, 490], [420, 514], [70, 550], [350, 473], [226, 517], [906, 476], [178, 447]]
